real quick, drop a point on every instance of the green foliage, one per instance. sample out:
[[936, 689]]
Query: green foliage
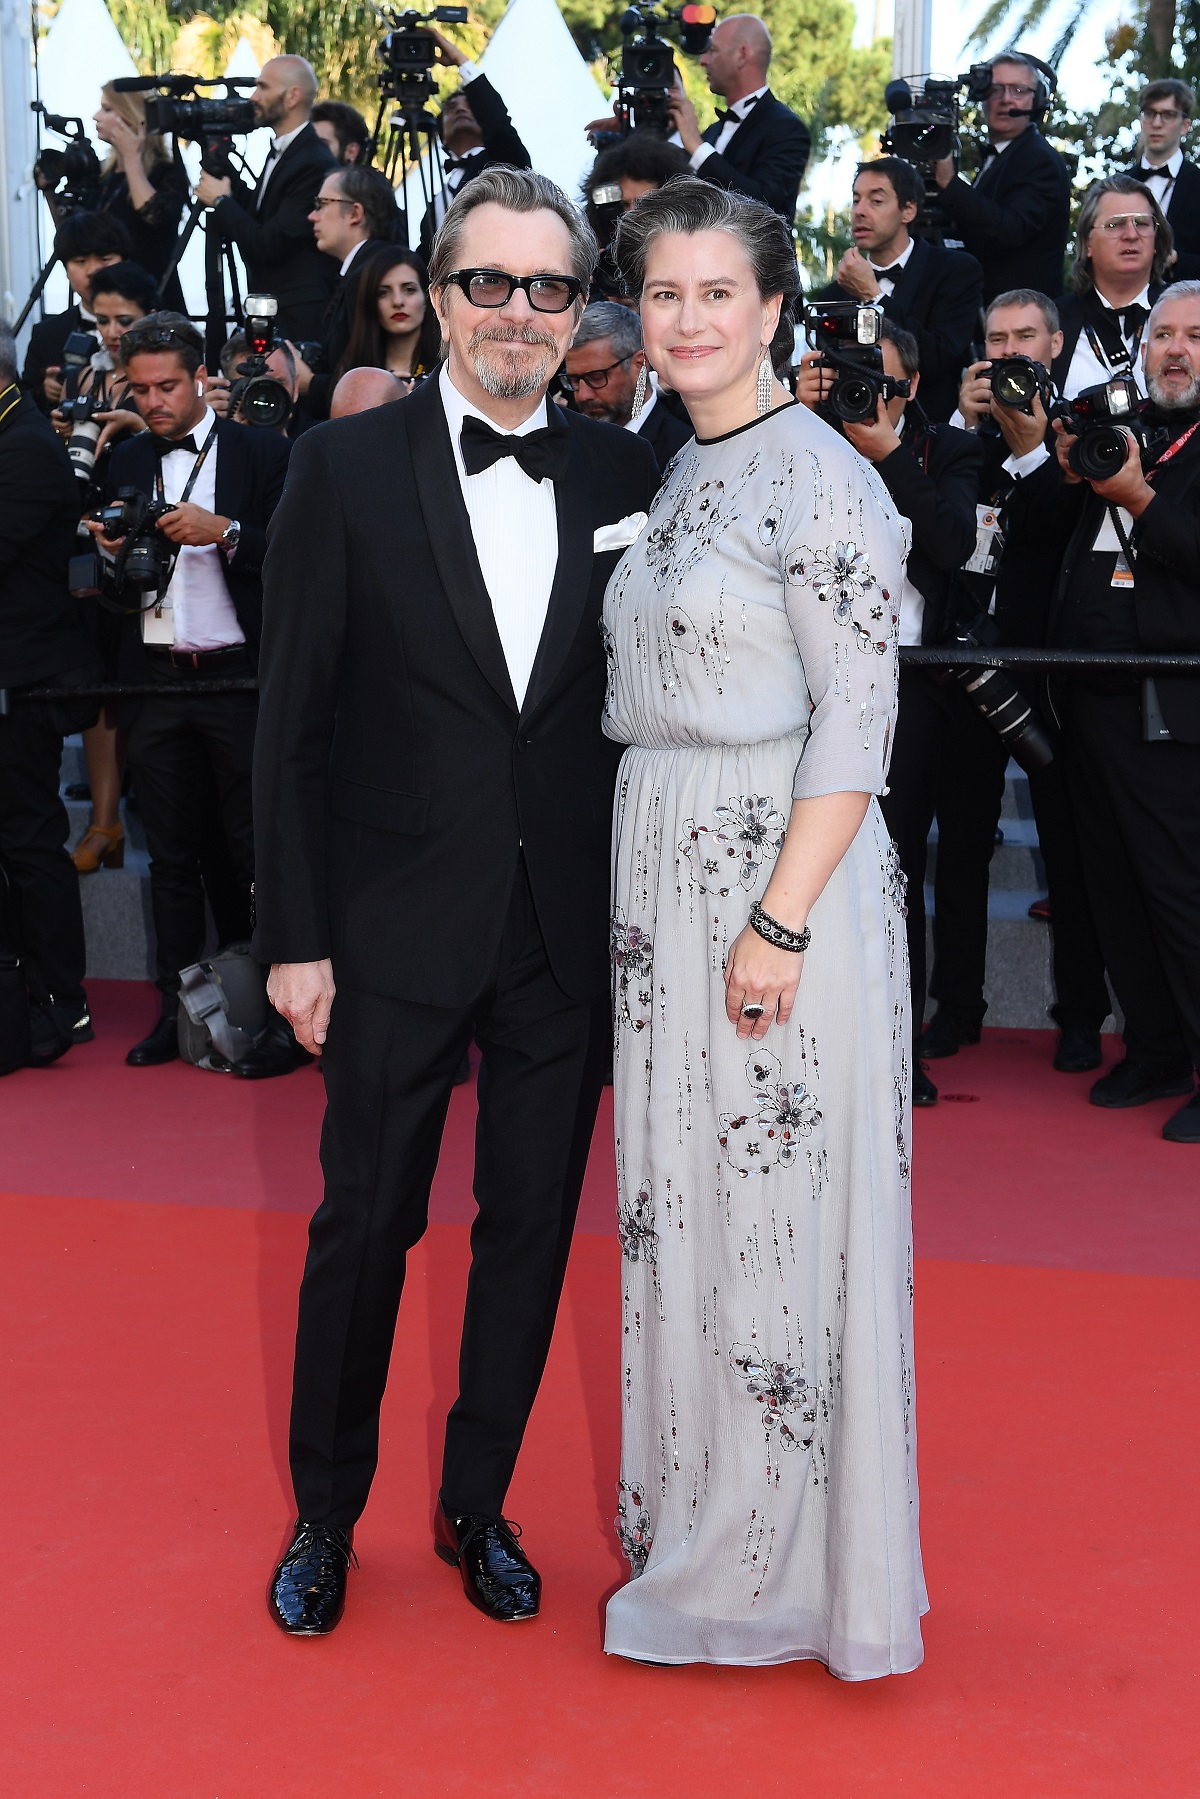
[[820, 244]]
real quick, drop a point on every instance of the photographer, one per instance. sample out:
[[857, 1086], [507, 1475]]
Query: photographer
[[343, 131], [354, 214], [142, 185], [635, 165], [941, 742], [1131, 747], [476, 133], [271, 226], [41, 640], [1123, 247], [758, 146], [281, 366], [602, 370], [1014, 217], [221, 482], [1165, 110], [83, 243], [930, 291]]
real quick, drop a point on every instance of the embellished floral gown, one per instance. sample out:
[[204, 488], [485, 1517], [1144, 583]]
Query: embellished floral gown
[[768, 1492]]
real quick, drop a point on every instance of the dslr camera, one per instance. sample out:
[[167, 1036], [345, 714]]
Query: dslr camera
[[70, 176], [1101, 419], [78, 409], [1017, 381], [647, 73], [849, 338], [257, 397], [144, 562], [995, 697]]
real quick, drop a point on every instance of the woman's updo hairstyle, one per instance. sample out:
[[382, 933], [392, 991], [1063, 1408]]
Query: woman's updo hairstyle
[[687, 205]]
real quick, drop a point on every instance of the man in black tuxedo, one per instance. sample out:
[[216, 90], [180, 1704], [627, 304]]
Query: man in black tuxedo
[[223, 481], [1132, 748], [1165, 110], [83, 243], [929, 291], [354, 213], [344, 130], [758, 147], [433, 822], [271, 224], [603, 366], [1123, 248], [476, 134], [1014, 217]]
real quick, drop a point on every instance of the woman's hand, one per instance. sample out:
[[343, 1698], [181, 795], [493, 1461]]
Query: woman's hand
[[756, 973], [125, 140], [119, 420]]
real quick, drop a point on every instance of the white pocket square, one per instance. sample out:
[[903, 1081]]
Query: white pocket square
[[619, 536]]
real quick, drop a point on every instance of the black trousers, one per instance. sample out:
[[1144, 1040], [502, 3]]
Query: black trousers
[[1137, 812], [185, 753], [33, 835], [389, 1069], [1076, 958]]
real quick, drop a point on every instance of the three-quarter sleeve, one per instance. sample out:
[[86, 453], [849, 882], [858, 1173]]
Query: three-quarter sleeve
[[842, 564]]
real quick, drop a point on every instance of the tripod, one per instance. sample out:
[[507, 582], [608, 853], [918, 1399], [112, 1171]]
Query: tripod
[[216, 158], [413, 142]]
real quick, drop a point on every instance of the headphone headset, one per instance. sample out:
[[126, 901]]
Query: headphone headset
[[1045, 86]]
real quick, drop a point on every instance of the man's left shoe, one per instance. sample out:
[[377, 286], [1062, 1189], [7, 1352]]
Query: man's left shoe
[[1078, 1050], [497, 1575], [944, 1035], [274, 1052], [924, 1093], [307, 1594], [1184, 1126]]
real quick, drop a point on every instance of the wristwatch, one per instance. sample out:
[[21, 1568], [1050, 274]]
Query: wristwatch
[[231, 536]]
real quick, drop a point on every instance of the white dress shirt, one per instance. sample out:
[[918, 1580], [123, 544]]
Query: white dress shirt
[[452, 179], [197, 612], [348, 261], [639, 418], [1087, 369], [887, 284], [278, 147], [737, 113], [514, 522], [1163, 186]]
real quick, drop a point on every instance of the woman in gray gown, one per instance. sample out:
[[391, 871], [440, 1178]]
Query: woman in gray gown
[[768, 1493]]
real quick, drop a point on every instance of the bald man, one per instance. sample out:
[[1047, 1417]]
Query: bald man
[[270, 224], [361, 390], [757, 146]]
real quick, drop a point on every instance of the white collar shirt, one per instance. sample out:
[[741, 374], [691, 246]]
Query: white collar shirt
[[640, 419], [1163, 186], [197, 612], [737, 115], [348, 261], [514, 522], [278, 147], [1088, 367], [887, 284]]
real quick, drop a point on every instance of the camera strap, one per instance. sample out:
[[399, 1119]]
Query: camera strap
[[1109, 346], [15, 391], [161, 496]]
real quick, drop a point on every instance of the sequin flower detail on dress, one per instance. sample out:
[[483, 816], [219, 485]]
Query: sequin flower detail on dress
[[635, 1226], [633, 968], [789, 1404], [745, 832], [633, 1524], [755, 1141], [839, 574], [897, 881]]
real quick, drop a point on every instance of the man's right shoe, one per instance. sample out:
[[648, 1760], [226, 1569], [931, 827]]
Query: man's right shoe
[[307, 1594], [1078, 1050], [162, 1045], [1184, 1125], [944, 1036], [497, 1575], [1132, 1084]]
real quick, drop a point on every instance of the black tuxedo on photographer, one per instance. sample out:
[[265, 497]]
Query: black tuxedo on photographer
[[501, 144], [271, 227], [764, 154], [1013, 218], [447, 847], [1178, 194]]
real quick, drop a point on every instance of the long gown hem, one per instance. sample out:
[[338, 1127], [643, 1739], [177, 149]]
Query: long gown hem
[[849, 1662]]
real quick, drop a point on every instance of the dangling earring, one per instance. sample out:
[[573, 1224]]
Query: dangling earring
[[640, 391], [766, 383]]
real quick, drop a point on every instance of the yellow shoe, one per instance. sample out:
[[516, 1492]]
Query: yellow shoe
[[100, 845]]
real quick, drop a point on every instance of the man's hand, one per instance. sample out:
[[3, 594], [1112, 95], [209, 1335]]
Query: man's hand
[[1021, 431], [856, 275], [944, 171], [1063, 439], [52, 387], [211, 188], [599, 127], [1128, 487], [446, 51], [216, 395], [304, 374], [683, 117], [813, 382], [975, 395], [187, 523], [303, 993], [110, 545], [875, 439]]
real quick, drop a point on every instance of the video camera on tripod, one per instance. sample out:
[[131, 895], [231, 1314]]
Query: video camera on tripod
[[648, 74], [406, 140], [70, 177], [213, 121]]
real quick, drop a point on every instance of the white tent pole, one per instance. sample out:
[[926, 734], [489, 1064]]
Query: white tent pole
[[912, 37], [18, 196]]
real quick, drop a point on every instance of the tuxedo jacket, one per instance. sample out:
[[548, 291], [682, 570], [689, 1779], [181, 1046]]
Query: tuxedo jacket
[[1074, 312], [765, 158], [45, 350], [933, 478], [396, 780], [277, 241], [335, 335], [1183, 216], [251, 465], [937, 296], [41, 633], [665, 433], [1014, 218], [501, 144]]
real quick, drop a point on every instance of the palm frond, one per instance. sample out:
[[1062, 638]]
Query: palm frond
[[999, 12], [1067, 35]]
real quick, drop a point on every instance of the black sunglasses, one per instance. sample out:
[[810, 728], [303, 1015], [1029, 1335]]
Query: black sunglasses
[[492, 288]]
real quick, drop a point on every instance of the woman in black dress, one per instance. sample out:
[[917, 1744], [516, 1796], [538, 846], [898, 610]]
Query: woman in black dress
[[142, 186], [395, 326]]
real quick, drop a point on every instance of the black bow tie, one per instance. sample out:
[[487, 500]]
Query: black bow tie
[[1132, 318], [542, 454], [738, 118], [454, 165], [1142, 173], [892, 274], [164, 445]]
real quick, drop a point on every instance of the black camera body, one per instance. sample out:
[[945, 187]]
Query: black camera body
[[80, 413], [992, 692], [210, 120], [647, 73], [408, 53], [144, 562], [924, 124], [258, 396], [849, 338], [1017, 381], [1101, 420], [71, 175]]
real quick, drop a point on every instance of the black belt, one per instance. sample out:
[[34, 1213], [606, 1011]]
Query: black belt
[[197, 661]]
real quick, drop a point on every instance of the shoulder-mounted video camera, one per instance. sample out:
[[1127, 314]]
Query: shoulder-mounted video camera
[[1101, 419], [211, 120], [647, 72], [71, 175], [925, 111], [849, 338]]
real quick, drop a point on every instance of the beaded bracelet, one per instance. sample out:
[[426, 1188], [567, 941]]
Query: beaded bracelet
[[773, 932]]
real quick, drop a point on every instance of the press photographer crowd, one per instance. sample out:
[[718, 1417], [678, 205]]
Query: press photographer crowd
[[1017, 357]]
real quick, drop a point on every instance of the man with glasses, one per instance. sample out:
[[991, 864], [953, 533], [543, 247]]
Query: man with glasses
[[1122, 251], [434, 796], [1013, 218], [1165, 110], [354, 213], [603, 365]]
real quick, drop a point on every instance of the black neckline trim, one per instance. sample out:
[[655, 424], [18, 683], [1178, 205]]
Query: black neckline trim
[[703, 442]]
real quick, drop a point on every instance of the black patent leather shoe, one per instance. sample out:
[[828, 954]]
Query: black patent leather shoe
[[497, 1575], [274, 1051], [162, 1045], [945, 1036], [307, 1594], [1130, 1083], [1078, 1050], [924, 1093], [1184, 1126]]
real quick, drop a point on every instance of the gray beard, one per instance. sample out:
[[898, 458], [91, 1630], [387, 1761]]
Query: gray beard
[[510, 378], [1166, 401]]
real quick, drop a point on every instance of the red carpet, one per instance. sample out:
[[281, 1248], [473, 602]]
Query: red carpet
[[147, 1349]]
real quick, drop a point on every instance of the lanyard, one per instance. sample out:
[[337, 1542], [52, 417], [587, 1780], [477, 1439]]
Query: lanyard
[[160, 491], [1172, 450], [1114, 359], [15, 391]]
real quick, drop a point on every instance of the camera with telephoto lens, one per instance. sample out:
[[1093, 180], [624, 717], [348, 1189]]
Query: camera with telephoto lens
[[647, 73], [849, 338], [71, 175], [1017, 381], [258, 397], [1101, 419], [142, 565], [1016, 722], [80, 413], [211, 120]]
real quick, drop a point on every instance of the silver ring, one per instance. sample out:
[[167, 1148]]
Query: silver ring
[[753, 1011]]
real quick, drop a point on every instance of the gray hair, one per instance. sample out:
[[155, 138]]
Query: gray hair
[[517, 190], [686, 206], [1082, 279], [8, 354], [619, 324], [1026, 296], [1178, 290]]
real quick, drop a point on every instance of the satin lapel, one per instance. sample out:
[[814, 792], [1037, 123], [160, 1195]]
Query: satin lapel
[[572, 575], [231, 485], [448, 527]]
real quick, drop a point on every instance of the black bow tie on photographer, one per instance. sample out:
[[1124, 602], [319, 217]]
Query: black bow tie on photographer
[[164, 445], [738, 118], [1132, 318], [1143, 173], [542, 454]]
